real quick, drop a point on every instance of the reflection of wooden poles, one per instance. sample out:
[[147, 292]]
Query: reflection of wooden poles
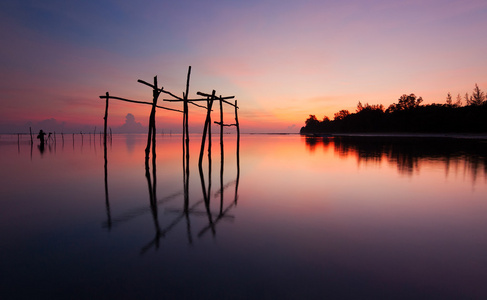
[[139, 211], [153, 198], [31, 138], [107, 203], [206, 197]]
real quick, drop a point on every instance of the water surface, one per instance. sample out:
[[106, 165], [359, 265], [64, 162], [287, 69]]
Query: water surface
[[342, 218]]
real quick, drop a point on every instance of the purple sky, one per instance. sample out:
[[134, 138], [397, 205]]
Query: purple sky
[[283, 60]]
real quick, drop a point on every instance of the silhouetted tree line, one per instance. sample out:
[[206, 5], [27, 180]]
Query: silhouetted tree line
[[408, 115]]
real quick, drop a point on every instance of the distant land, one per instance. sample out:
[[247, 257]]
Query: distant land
[[407, 116]]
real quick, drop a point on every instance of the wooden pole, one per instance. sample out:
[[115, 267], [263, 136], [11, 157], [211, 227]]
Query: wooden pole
[[105, 120], [209, 141], [186, 112], [221, 144], [205, 128], [155, 94], [238, 150]]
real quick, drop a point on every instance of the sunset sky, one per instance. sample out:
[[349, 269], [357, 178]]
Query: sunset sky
[[283, 60]]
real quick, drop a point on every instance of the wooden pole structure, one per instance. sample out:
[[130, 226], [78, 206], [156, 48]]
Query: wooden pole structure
[[105, 119]]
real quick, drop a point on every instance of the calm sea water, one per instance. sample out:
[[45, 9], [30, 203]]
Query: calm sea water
[[349, 218]]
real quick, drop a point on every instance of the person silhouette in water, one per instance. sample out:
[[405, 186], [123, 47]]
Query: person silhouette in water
[[40, 136]]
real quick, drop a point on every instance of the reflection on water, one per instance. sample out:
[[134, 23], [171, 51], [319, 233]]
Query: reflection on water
[[302, 219], [408, 153]]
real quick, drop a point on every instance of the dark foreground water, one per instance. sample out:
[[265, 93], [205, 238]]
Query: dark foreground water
[[349, 218]]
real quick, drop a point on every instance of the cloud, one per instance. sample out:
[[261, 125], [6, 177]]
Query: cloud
[[131, 126]]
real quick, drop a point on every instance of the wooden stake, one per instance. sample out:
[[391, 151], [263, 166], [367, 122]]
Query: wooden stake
[[105, 119], [238, 149], [221, 143], [152, 118], [186, 112], [222, 155], [205, 128]]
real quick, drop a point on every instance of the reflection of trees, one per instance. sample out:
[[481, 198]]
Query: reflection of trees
[[408, 152], [313, 142]]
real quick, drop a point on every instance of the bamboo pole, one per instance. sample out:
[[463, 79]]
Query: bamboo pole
[[205, 128], [155, 94], [238, 150], [186, 141], [209, 136], [186, 112], [31, 138], [221, 154], [105, 119]]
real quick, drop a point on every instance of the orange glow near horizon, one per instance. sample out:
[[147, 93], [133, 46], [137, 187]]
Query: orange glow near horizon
[[290, 61]]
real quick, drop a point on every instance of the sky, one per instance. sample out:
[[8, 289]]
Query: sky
[[282, 60]]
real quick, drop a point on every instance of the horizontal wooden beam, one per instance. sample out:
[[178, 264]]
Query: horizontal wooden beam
[[148, 84], [159, 89], [199, 100], [219, 98], [219, 123], [139, 102], [179, 100], [209, 95], [198, 105], [191, 101], [169, 93]]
